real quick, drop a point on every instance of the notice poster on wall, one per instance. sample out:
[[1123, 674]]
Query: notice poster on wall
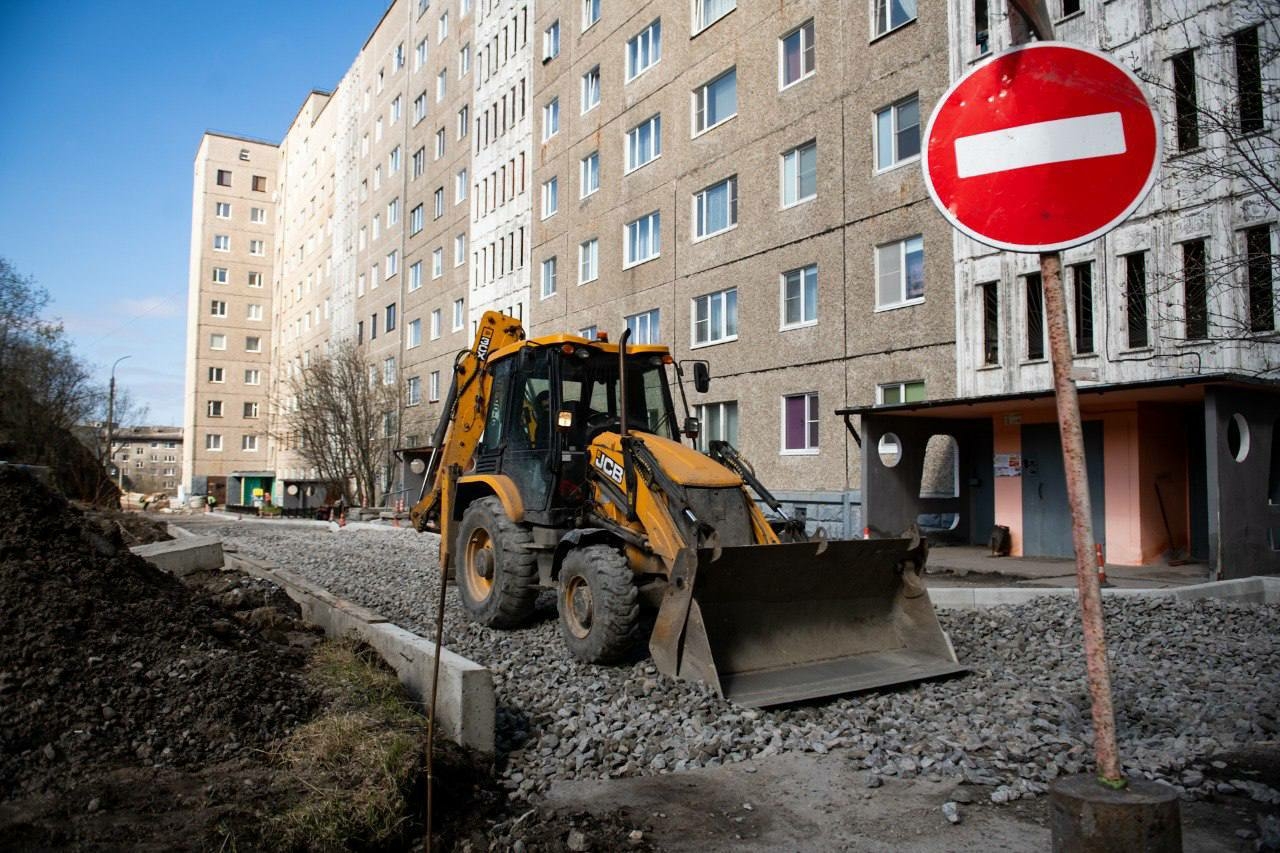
[[1008, 465]]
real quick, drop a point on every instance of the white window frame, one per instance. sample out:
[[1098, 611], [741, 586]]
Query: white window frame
[[222, 209], [588, 260], [413, 391], [802, 274], [258, 215], [647, 42], [435, 324], [633, 143], [812, 402], [591, 12], [590, 89], [213, 409], [652, 248], [222, 242], [249, 443], [701, 210], [415, 276], [902, 391], [724, 335], [253, 311], [252, 376], [704, 434], [902, 273], [217, 375], [805, 30], [876, 6], [700, 102], [253, 343], [892, 110], [220, 275], [460, 186], [433, 387], [589, 174], [459, 315], [218, 308], [700, 19], [550, 196], [217, 341], [646, 326], [437, 263], [551, 41], [549, 274], [413, 334], [788, 158], [213, 442], [417, 220], [459, 249], [550, 118]]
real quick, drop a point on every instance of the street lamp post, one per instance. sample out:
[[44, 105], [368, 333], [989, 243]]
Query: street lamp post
[[111, 413]]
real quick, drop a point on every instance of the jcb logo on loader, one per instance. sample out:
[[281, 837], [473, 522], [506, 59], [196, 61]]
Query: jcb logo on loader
[[482, 347], [609, 468]]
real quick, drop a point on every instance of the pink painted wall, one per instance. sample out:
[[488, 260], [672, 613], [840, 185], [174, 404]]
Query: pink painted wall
[[1007, 438], [1120, 456], [1163, 462]]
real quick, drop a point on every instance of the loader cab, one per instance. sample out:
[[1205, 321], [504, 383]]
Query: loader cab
[[548, 401]]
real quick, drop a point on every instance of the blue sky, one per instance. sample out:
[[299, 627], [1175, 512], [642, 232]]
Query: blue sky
[[103, 106]]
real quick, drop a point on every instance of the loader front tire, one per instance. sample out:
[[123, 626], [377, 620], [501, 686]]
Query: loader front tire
[[599, 605], [497, 575]]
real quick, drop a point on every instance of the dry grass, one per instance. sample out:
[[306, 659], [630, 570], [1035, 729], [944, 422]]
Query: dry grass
[[350, 771]]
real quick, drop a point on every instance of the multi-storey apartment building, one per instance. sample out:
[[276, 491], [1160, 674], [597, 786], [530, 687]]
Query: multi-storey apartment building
[[229, 316], [147, 458], [740, 182], [1173, 320]]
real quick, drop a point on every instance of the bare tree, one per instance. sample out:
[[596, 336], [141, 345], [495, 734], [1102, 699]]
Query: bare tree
[[341, 417]]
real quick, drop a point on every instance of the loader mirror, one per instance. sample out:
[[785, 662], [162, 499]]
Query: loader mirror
[[691, 428], [701, 377]]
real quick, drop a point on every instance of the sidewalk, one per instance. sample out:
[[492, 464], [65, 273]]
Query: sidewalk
[[974, 566]]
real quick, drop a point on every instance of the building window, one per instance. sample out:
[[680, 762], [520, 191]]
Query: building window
[[392, 264], [550, 119], [224, 177], [796, 55], [433, 386], [417, 220], [252, 376], [249, 443], [1195, 294], [389, 371], [1259, 262], [460, 187], [437, 263], [459, 249], [413, 394], [888, 15], [253, 311], [396, 109], [217, 374], [257, 247], [1135, 280], [719, 422], [590, 13], [442, 28], [419, 162], [250, 410], [715, 317], [218, 308], [440, 143], [588, 260], [644, 327], [390, 313], [715, 208], [551, 41], [800, 297], [1248, 80], [438, 199], [259, 184], [413, 334], [715, 102], [435, 323], [252, 343], [707, 12], [898, 133], [644, 142], [981, 26], [464, 60], [459, 313], [1082, 305], [219, 275], [257, 215], [800, 174], [591, 89], [1035, 317], [214, 408], [588, 332], [255, 279], [550, 197], [900, 273], [222, 242], [643, 239], [442, 84], [415, 276], [800, 423], [217, 342], [1186, 101], [989, 293], [896, 393], [222, 210], [212, 441], [549, 277], [393, 212], [644, 50], [589, 174], [464, 120], [393, 160]]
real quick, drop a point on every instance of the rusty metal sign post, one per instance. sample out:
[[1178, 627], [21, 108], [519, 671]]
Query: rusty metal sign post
[[1069, 427]]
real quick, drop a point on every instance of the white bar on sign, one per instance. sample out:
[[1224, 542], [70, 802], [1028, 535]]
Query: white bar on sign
[[1038, 144]]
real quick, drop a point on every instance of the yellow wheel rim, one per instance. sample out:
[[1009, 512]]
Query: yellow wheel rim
[[578, 606], [478, 554]]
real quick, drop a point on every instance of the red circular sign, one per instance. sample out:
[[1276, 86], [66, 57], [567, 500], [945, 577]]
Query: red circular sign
[[1045, 146]]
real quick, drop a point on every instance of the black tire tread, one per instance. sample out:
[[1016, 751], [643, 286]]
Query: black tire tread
[[616, 628], [515, 588]]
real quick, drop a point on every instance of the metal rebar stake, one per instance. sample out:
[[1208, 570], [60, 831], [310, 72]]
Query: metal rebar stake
[[1095, 643]]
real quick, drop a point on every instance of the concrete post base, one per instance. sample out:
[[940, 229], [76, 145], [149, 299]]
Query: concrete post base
[[1088, 817]]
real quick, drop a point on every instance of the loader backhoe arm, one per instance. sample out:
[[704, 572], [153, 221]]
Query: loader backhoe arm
[[458, 433]]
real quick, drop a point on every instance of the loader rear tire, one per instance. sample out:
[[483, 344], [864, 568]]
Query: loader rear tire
[[497, 575], [599, 605]]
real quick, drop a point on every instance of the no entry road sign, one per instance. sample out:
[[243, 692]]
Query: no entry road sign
[[1046, 146]]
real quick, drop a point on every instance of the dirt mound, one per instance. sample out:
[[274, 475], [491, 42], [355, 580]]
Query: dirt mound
[[106, 661]]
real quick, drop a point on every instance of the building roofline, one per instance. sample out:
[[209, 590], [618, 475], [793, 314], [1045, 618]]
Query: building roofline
[[241, 138], [369, 37], [303, 105], [1175, 381]]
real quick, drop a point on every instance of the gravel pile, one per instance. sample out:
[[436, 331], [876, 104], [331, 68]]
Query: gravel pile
[[1191, 680]]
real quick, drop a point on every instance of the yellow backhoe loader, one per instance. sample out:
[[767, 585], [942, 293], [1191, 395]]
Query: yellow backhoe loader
[[558, 463]]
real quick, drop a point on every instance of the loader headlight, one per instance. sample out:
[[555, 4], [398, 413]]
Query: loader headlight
[[564, 419]]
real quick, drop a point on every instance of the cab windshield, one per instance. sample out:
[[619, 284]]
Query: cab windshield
[[589, 389]]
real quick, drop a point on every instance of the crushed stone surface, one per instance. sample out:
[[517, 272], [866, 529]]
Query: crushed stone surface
[[1190, 680]]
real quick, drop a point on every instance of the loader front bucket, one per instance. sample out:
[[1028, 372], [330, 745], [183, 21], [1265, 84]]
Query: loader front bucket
[[772, 624]]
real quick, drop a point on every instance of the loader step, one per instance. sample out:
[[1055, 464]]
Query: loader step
[[834, 677]]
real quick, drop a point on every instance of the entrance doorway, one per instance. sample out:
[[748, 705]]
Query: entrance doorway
[[1046, 514]]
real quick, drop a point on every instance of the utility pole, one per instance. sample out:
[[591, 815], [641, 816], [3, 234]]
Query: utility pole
[[111, 414]]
